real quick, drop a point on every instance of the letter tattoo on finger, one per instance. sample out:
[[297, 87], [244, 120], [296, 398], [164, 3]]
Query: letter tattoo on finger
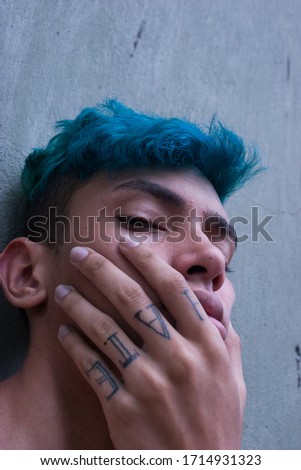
[[156, 322], [104, 378], [125, 353], [195, 304]]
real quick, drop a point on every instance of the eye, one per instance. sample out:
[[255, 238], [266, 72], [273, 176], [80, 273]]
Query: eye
[[137, 224]]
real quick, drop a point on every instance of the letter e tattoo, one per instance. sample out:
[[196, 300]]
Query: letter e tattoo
[[104, 377]]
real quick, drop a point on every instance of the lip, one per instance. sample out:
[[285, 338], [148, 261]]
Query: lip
[[214, 309]]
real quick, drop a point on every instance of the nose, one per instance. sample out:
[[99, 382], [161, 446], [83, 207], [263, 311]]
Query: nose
[[201, 263]]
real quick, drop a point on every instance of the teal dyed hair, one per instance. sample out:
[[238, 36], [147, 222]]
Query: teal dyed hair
[[113, 137]]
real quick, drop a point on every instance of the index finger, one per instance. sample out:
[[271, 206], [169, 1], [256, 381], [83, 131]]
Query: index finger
[[174, 291], [126, 295], [133, 304]]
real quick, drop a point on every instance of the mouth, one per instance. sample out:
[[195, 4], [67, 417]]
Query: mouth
[[214, 309]]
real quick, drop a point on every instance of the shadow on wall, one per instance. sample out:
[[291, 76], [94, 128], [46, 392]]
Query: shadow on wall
[[14, 332]]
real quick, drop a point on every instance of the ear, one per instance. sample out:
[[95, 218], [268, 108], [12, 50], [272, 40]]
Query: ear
[[22, 273]]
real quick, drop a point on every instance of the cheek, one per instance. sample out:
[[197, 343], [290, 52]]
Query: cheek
[[71, 275], [66, 273]]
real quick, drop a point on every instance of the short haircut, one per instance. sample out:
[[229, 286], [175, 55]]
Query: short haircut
[[112, 137]]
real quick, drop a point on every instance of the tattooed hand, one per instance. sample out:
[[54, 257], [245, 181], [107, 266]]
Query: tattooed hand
[[184, 388]]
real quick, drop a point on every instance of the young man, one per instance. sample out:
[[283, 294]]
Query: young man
[[123, 275]]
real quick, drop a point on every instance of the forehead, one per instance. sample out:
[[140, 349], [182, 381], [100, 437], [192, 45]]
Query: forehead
[[162, 186]]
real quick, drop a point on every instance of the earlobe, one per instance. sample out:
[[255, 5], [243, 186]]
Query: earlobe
[[22, 273]]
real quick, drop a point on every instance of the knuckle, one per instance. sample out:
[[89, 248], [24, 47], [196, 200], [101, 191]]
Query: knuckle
[[145, 256], [129, 293], [96, 264], [174, 281], [185, 366], [125, 408], [216, 357], [154, 385], [102, 327], [182, 361]]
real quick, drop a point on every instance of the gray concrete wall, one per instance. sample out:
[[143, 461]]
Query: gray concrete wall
[[191, 58]]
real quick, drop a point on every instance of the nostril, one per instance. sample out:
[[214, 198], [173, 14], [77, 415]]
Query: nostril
[[218, 281], [196, 269]]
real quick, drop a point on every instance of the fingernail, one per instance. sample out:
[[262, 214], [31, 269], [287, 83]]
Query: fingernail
[[61, 291], [128, 242], [78, 253], [64, 330]]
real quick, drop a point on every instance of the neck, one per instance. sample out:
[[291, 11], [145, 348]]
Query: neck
[[52, 403]]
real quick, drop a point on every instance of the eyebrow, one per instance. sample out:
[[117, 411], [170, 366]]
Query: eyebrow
[[156, 190]]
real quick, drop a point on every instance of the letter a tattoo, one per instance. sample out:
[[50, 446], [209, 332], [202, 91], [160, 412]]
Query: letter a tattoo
[[156, 323]]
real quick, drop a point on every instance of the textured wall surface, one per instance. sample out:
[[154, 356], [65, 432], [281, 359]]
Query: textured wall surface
[[190, 58]]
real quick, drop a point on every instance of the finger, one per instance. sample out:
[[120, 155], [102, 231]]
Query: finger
[[126, 295], [102, 380], [135, 306], [99, 327], [174, 292]]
